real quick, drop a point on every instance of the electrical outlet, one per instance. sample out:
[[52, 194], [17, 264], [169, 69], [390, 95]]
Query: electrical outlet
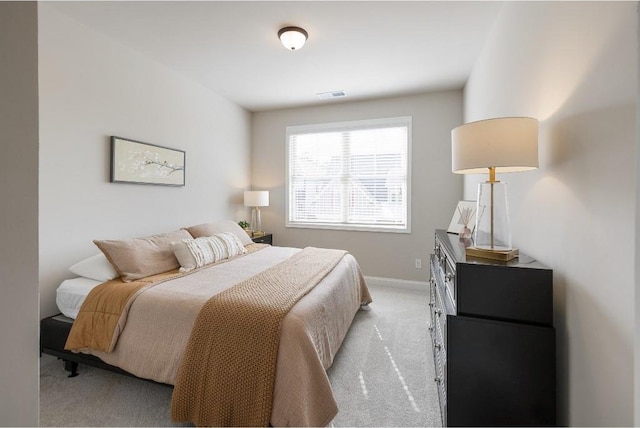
[[418, 263]]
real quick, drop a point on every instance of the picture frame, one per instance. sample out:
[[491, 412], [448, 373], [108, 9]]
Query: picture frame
[[465, 211], [136, 162]]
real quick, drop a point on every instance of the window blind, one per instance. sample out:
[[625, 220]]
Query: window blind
[[352, 175]]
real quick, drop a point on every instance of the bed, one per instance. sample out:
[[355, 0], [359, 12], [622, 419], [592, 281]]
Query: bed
[[152, 342]]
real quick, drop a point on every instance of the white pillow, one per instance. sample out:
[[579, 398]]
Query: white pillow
[[195, 253], [96, 267]]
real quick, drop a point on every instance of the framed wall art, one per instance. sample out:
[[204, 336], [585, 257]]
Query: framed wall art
[[144, 163], [463, 217]]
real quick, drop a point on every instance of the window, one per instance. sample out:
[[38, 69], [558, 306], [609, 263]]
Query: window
[[350, 175]]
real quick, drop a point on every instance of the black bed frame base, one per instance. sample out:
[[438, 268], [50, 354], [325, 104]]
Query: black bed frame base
[[54, 331]]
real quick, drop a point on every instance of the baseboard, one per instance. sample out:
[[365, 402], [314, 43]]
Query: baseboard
[[404, 284]]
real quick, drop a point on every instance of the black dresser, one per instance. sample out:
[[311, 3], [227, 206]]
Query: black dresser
[[493, 338]]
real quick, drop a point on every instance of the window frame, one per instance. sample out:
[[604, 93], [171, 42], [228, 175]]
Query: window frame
[[341, 127]]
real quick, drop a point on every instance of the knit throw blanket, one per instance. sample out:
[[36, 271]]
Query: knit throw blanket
[[227, 373]]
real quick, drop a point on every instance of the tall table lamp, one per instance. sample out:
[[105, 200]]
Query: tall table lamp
[[256, 199], [507, 144]]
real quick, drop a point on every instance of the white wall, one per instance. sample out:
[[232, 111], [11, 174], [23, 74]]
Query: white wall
[[573, 65], [19, 214], [435, 190], [92, 88]]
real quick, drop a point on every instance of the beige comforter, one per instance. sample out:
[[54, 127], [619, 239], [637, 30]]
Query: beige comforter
[[160, 320]]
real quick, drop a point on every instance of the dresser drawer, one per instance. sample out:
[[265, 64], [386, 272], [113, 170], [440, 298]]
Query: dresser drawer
[[439, 324], [441, 382], [500, 292], [500, 373], [446, 268], [432, 303]]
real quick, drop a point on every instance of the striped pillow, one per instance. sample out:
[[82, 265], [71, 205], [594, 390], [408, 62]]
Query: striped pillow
[[195, 253]]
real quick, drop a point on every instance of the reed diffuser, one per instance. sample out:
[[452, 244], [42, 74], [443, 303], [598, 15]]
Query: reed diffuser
[[466, 215]]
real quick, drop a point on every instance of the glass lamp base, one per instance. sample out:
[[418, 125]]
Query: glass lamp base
[[256, 220], [492, 217]]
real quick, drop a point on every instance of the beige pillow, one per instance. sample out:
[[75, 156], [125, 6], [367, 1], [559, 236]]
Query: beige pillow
[[141, 257], [210, 229], [195, 253]]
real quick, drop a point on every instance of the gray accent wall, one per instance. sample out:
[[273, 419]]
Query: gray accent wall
[[91, 88], [19, 213], [435, 190], [573, 65]]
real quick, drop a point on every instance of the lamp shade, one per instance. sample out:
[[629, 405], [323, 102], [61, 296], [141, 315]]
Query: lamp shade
[[292, 38], [508, 144], [256, 198]]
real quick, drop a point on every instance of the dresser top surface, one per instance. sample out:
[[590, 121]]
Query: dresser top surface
[[457, 249]]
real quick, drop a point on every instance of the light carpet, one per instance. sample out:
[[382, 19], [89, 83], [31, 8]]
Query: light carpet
[[382, 376]]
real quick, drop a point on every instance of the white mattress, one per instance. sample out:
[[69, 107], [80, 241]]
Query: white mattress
[[72, 292]]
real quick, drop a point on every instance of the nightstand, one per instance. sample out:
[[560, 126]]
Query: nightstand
[[264, 239]]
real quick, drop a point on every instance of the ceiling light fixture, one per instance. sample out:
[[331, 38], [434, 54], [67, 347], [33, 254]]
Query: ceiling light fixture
[[292, 38]]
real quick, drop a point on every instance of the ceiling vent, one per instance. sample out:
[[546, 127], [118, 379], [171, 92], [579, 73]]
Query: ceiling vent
[[330, 95]]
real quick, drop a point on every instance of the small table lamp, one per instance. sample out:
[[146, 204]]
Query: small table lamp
[[256, 199], [507, 144]]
